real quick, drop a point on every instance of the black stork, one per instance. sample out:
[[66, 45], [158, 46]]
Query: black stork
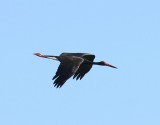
[[72, 64]]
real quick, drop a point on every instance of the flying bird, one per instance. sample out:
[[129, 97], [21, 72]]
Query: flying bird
[[72, 64]]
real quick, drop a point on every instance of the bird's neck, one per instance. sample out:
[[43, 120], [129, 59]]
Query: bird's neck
[[93, 63], [96, 63]]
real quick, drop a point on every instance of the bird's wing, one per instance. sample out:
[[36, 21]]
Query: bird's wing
[[75, 54], [84, 68], [65, 71]]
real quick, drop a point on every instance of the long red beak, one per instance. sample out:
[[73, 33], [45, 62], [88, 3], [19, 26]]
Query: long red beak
[[107, 64]]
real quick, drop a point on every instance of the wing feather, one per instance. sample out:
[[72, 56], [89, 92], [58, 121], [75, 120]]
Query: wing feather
[[65, 71], [84, 68]]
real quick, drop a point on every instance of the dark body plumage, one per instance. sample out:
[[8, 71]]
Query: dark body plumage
[[76, 64]]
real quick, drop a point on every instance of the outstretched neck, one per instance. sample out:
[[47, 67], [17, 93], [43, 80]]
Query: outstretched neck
[[101, 63], [93, 63], [96, 63]]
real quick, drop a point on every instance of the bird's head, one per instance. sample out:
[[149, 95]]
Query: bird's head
[[103, 63]]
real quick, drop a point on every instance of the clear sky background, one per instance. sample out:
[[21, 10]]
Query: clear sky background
[[126, 33]]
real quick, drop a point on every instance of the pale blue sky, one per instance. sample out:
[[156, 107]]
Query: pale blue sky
[[124, 33]]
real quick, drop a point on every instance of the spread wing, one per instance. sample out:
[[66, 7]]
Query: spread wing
[[65, 71], [84, 68], [75, 54]]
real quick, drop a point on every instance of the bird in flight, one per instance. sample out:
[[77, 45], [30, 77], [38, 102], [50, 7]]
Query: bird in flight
[[72, 64]]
